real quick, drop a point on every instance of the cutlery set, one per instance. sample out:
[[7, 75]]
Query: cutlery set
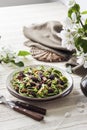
[[35, 112], [26, 108]]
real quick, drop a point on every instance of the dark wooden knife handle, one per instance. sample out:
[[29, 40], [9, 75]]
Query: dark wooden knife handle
[[31, 107], [34, 115]]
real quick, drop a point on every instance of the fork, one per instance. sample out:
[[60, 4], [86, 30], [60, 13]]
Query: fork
[[12, 105]]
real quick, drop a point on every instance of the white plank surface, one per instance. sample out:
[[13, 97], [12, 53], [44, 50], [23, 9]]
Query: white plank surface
[[12, 20]]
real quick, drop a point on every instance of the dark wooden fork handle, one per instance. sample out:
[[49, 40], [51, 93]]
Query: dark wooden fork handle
[[34, 115]]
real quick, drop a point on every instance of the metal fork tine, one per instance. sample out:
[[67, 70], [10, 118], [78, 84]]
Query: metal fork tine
[[2, 99]]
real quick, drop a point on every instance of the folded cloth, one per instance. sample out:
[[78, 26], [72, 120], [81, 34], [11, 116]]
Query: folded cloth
[[72, 62], [80, 70], [46, 37], [77, 68]]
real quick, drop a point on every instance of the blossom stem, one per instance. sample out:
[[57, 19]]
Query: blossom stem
[[81, 23]]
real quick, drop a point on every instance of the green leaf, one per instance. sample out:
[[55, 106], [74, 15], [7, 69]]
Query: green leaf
[[19, 64], [70, 11], [80, 30], [73, 9], [81, 42], [84, 12], [85, 27], [76, 8], [23, 53], [86, 21]]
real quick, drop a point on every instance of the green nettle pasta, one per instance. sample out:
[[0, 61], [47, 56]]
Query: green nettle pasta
[[39, 82]]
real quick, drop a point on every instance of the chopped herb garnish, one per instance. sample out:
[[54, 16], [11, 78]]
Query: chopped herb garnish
[[39, 82]]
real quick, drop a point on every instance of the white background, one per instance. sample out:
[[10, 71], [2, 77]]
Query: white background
[[21, 2], [83, 3]]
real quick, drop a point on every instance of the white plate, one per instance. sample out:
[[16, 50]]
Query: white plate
[[63, 94]]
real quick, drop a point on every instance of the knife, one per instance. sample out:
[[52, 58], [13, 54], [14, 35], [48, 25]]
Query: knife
[[32, 114], [30, 107], [22, 110]]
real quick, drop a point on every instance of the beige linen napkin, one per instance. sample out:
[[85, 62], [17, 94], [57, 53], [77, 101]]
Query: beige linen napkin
[[45, 41], [77, 68]]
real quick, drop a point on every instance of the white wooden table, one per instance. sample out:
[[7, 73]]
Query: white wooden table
[[69, 113]]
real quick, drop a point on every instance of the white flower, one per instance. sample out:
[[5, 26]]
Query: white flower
[[68, 24], [68, 39], [71, 3], [7, 51], [17, 59], [64, 34], [81, 58], [85, 64], [74, 18], [70, 46]]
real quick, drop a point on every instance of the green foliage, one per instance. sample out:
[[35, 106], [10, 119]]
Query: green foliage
[[80, 42], [19, 64], [75, 9], [86, 21], [9, 57], [81, 37], [23, 53], [84, 12]]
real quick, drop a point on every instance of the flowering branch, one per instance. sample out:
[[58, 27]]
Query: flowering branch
[[76, 27], [8, 56]]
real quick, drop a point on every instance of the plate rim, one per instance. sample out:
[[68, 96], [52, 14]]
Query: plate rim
[[25, 98]]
